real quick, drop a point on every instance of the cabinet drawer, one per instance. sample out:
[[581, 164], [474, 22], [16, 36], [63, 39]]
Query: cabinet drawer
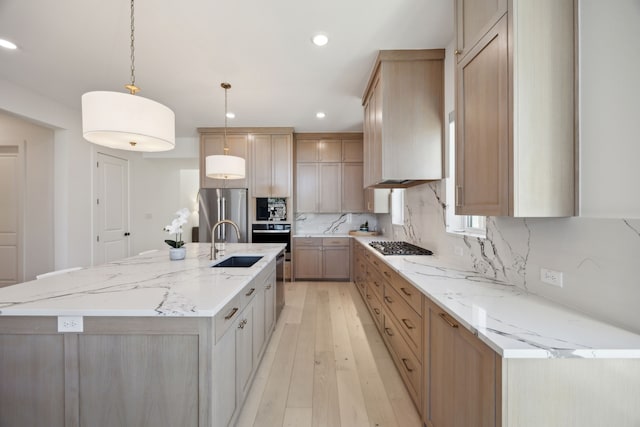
[[229, 313], [308, 241], [409, 366], [335, 241], [374, 279], [406, 290], [408, 320], [375, 306]]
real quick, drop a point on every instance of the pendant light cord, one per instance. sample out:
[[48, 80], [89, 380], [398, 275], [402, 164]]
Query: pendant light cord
[[133, 89], [226, 87]]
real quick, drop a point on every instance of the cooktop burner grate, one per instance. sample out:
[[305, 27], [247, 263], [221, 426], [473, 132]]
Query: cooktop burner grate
[[399, 248]]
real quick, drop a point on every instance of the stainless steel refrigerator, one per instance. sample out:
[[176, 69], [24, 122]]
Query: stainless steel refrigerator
[[222, 203]]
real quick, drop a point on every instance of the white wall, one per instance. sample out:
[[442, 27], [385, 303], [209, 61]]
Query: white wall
[[609, 92], [37, 253], [598, 257]]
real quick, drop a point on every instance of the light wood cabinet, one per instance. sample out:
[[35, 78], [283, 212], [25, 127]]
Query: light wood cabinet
[[318, 187], [213, 144], [473, 19], [404, 118], [329, 173], [352, 188], [515, 108], [321, 258], [272, 165], [461, 375]]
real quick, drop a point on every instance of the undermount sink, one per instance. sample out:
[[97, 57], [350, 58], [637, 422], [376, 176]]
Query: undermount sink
[[238, 261]]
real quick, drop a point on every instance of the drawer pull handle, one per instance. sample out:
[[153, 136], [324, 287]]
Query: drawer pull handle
[[388, 332], [231, 313], [386, 273], [449, 321], [388, 299], [377, 311], [251, 291], [405, 362], [368, 296], [404, 291], [408, 324], [242, 324], [268, 287], [376, 283]]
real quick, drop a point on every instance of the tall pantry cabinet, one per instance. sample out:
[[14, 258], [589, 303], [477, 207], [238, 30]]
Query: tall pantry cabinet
[[515, 108]]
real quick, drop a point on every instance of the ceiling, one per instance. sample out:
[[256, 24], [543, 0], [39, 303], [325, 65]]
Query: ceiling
[[184, 50]]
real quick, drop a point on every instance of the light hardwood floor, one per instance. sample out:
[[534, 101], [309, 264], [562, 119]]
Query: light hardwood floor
[[326, 365]]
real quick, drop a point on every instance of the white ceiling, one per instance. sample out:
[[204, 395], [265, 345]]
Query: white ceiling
[[185, 49]]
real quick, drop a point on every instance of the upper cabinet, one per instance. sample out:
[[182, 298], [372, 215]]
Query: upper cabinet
[[329, 173], [515, 108], [272, 165], [403, 118]]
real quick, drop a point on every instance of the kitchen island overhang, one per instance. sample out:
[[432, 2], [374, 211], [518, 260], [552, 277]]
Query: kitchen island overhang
[[162, 343]]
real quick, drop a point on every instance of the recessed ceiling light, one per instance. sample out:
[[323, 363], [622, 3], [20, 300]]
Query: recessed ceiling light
[[321, 115], [320, 39], [7, 44], [231, 115]]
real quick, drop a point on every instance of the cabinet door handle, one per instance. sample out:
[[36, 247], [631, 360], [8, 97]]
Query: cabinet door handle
[[388, 331], [448, 320], [231, 313], [386, 273], [251, 291], [268, 287], [377, 311], [405, 362], [404, 291], [376, 283], [408, 324], [368, 296], [457, 52], [388, 299]]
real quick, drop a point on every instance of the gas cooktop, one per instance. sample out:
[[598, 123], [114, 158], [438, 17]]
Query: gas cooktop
[[399, 248]]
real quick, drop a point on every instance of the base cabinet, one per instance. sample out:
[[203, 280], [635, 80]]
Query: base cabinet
[[317, 258], [460, 377]]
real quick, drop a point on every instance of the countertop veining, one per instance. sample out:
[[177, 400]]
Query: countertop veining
[[143, 285]]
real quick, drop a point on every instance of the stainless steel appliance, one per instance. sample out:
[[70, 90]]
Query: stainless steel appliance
[[272, 233], [399, 248], [217, 204], [279, 284]]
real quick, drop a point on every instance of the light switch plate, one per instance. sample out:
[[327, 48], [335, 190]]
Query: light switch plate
[[551, 277]]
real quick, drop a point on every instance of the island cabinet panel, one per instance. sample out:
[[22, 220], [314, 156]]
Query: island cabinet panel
[[32, 380], [224, 377], [138, 380]]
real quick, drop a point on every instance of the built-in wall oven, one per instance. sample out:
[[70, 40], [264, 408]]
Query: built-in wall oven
[[273, 233]]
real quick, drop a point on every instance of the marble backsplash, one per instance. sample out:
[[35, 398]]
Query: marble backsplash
[[597, 257], [332, 223]]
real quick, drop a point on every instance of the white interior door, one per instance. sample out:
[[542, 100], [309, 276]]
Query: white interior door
[[10, 215], [111, 209]]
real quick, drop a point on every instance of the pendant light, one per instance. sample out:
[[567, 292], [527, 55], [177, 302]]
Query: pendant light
[[224, 166], [125, 121]]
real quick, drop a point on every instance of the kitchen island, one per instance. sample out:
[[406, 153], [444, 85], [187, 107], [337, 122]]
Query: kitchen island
[[150, 341]]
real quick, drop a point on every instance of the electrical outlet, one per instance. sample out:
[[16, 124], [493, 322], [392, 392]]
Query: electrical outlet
[[70, 324], [551, 277]]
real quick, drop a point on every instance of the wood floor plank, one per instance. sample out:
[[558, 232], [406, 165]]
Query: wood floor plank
[[297, 417], [301, 387], [326, 407], [378, 405], [352, 406], [295, 294], [274, 398]]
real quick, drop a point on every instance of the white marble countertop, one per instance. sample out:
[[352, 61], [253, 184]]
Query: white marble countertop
[[143, 285], [512, 322]]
